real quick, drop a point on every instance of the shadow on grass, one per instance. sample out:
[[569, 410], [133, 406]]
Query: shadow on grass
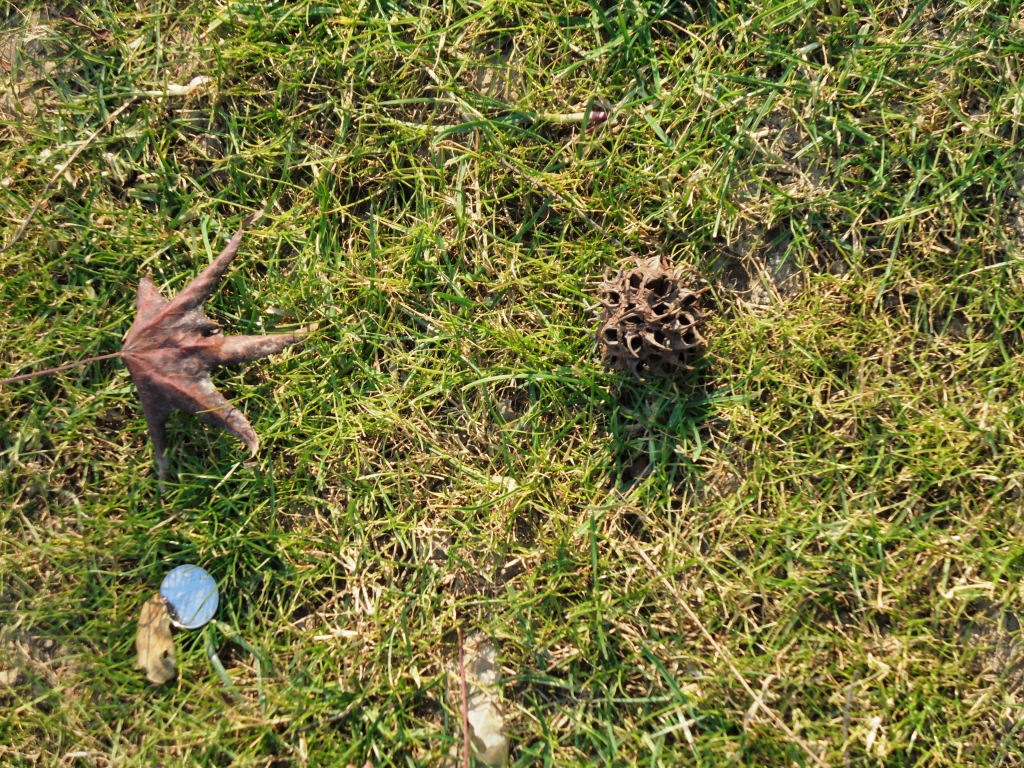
[[656, 426]]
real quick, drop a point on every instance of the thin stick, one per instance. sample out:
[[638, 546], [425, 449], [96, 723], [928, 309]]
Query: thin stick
[[727, 658], [772, 715], [846, 719], [465, 704], [577, 211], [59, 368], [466, 108], [53, 179]]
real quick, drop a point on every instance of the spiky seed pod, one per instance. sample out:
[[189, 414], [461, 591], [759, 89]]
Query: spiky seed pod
[[651, 322]]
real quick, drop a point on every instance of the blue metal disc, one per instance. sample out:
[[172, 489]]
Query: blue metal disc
[[191, 595]]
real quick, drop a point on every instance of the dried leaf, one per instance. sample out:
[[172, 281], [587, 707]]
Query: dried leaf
[[484, 709], [173, 346], [153, 642]]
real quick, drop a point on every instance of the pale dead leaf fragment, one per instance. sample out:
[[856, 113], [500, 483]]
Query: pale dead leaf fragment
[[484, 709], [153, 642], [175, 89]]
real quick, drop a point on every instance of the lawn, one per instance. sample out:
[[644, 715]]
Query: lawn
[[806, 551]]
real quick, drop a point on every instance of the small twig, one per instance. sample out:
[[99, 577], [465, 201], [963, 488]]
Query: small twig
[[59, 368], [757, 702], [727, 658], [61, 170], [561, 118], [465, 703], [562, 198], [772, 715], [846, 719], [477, 115]]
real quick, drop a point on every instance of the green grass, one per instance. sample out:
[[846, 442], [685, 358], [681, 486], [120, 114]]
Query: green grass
[[829, 508]]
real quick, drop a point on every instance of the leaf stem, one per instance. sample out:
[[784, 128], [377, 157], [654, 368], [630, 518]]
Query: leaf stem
[[59, 368], [465, 703], [61, 168]]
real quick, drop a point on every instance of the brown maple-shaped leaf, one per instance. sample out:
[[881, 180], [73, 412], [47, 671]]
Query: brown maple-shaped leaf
[[172, 346]]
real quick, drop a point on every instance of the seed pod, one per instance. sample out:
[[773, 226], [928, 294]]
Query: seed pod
[[651, 322]]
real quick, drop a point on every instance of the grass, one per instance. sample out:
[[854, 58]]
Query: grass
[[828, 509]]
